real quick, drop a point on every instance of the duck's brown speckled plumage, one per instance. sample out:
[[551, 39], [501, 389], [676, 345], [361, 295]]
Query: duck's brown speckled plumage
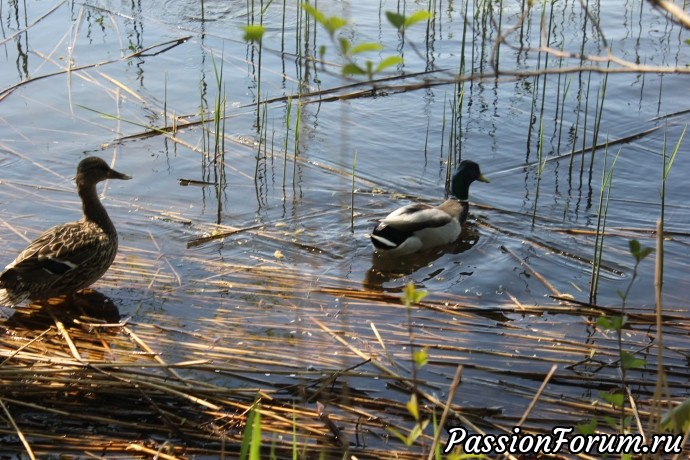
[[67, 257]]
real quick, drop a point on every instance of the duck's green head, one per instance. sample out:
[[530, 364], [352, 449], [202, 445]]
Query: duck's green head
[[468, 172]]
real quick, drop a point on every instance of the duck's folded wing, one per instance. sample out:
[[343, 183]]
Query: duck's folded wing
[[56, 252], [416, 217]]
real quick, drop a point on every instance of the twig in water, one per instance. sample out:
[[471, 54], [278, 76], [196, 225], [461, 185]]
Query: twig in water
[[449, 401]]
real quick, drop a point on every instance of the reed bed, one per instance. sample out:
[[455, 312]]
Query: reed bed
[[138, 388]]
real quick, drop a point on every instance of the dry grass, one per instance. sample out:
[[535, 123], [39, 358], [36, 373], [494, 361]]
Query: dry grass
[[75, 377]]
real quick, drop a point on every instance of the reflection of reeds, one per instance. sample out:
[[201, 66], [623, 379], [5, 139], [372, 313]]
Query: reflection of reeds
[[540, 169], [352, 193], [286, 139]]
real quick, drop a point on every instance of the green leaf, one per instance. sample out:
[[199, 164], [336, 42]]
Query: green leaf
[[331, 23], [370, 68], [253, 33], [402, 22], [634, 247], [638, 251], [322, 51], [344, 45], [334, 23], [248, 436], [255, 446], [397, 434], [604, 322], [314, 13], [645, 252], [353, 69], [421, 357], [677, 419], [628, 421], [398, 20], [612, 322], [611, 422], [620, 321], [416, 431], [417, 16], [587, 428], [629, 361], [389, 62], [365, 47], [413, 406], [411, 295], [616, 399]]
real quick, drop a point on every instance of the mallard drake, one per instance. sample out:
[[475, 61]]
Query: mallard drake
[[67, 257], [417, 227]]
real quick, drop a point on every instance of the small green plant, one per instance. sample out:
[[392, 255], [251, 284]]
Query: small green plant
[[254, 33], [411, 296], [626, 360], [250, 449], [350, 51], [639, 253]]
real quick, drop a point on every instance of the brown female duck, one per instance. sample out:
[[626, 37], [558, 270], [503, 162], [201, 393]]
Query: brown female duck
[[67, 257]]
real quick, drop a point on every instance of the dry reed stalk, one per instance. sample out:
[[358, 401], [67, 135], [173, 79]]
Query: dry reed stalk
[[167, 44], [529, 268], [154, 453], [85, 76], [446, 409], [539, 392], [223, 231], [20, 435], [156, 356], [675, 11]]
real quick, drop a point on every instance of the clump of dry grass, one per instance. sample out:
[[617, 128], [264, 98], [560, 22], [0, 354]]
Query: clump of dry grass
[[74, 381]]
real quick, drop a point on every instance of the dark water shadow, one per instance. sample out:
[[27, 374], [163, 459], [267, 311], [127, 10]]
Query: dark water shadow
[[385, 268], [85, 307]]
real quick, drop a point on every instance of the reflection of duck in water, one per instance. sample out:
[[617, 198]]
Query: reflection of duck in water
[[415, 235], [385, 268], [67, 257]]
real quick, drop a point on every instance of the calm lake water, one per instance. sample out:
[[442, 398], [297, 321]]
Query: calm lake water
[[287, 182]]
